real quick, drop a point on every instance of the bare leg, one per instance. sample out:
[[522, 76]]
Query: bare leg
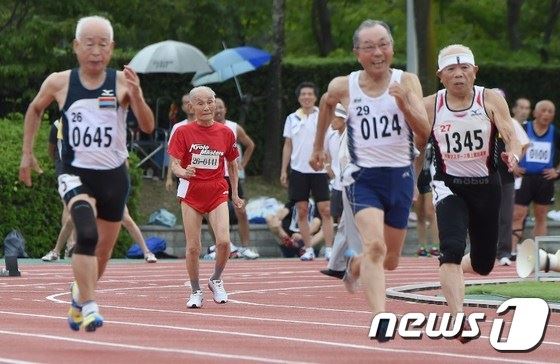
[[540, 228], [65, 231], [327, 222], [303, 224], [219, 220], [370, 225], [421, 227], [108, 233], [394, 240], [192, 221], [85, 267], [519, 214], [452, 286], [243, 226], [134, 231]]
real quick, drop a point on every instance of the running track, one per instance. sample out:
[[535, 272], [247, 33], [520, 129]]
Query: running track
[[280, 311]]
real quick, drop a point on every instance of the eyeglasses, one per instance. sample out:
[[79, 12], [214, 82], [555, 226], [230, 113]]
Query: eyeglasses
[[372, 47]]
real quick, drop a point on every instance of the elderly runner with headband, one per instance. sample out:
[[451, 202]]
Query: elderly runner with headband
[[466, 120]]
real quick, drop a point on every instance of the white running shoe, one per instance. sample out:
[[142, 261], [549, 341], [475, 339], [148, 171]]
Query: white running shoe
[[51, 256], [328, 253], [195, 300], [308, 255], [247, 253], [150, 257], [505, 261], [218, 291]]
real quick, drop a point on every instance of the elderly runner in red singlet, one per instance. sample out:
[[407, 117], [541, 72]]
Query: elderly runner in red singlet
[[197, 152]]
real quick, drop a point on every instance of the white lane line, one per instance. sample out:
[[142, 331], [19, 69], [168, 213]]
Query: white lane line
[[405, 350], [15, 361], [147, 348]]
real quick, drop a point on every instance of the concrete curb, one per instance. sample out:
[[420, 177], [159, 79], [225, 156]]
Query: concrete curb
[[410, 293]]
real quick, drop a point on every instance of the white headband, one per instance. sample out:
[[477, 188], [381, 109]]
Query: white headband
[[456, 58], [340, 112]]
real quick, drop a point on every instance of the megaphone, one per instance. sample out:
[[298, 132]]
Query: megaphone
[[526, 259]]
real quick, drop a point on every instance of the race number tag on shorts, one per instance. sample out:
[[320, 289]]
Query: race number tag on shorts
[[539, 152], [204, 161], [66, 183]]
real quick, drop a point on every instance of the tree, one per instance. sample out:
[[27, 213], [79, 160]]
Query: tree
[[549, 28], [513, 17], [13, 13], [272, 159], [321, 24], [426, 43]]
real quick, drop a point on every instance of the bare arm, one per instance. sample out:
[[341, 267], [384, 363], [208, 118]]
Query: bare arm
[[45, 96], [408, 96], [169, 179], [337, 90], [234, 179], [286, 154], [138, 105], [180, 172], [248, 143], [499, 113]]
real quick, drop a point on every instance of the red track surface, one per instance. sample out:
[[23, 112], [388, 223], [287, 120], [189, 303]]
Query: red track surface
[[279, 311]]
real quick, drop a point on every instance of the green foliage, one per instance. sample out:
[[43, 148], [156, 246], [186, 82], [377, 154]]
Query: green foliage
[[36, 211], [548, 291]]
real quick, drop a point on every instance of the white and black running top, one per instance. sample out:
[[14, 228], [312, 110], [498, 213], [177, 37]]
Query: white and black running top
[[94, 125], [464, 140], [378, 134]]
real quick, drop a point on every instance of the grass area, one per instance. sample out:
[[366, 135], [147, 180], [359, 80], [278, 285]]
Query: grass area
[[153, 195], [548, 291], [256, 186]]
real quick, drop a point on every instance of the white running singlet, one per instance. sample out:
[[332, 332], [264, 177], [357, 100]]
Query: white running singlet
[[378, 134], [464, 139]]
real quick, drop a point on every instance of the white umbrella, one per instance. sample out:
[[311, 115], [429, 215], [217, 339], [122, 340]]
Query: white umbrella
[[170, 57]]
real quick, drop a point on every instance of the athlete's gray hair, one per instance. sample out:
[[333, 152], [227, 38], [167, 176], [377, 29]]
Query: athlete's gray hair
[[94, 18], [369, 23], [195, 91]]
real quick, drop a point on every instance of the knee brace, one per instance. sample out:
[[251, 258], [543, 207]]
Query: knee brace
[[85, 226]]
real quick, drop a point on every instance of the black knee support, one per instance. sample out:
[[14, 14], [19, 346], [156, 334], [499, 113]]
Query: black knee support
[[85, 226]]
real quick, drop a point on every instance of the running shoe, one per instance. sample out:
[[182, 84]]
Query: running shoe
[[434, 252], [92, 321], [51, 256], [505, 261], [308, 255], [422, 252], [247, 253], [218, 291], [75, 317], [150, 257], [328, 253], [195, 300], [466, 327], [333, 273]]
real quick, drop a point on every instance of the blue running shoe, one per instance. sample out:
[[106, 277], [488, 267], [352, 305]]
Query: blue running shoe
[[92, 321], [75, 317]]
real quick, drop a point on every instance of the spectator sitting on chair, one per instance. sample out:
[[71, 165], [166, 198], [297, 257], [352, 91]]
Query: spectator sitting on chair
[[284, 225]]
